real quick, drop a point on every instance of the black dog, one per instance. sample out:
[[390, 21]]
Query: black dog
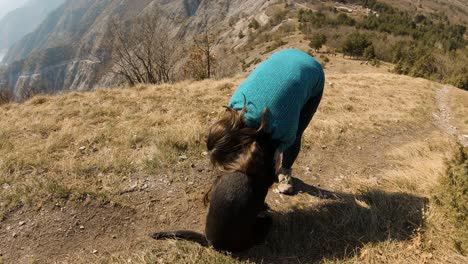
[[234, 222]]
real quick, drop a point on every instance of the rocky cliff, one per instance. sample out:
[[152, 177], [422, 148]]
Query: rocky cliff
[[66, 50]]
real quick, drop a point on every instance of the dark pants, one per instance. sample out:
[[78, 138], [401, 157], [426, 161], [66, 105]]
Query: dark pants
[[307, 112]]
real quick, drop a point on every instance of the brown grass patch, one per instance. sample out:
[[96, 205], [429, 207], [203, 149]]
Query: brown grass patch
[[105, 144]]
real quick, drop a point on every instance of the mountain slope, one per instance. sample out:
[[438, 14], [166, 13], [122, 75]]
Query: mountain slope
[[24, 20], [86, 177], [65, 52]]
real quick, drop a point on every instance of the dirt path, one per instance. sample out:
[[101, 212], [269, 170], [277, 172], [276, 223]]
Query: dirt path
[[443, 118], [336, 152]]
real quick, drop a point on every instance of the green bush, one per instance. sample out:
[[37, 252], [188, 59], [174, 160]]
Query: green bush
[[316, 19], [317, 41], [369, 52], [343, 19], [430, 46], [460, 78], [254, 24], [355, 44], [278, 17]]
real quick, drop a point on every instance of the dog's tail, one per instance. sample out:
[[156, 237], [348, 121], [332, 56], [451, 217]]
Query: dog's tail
[[182, 234]]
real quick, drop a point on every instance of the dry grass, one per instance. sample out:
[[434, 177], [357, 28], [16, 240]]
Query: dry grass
[[459, 107], [102, 140], [100, 143]]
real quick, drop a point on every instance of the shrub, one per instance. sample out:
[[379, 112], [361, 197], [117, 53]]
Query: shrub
[[355, 44], [343, 19], [254, 24], [460, 78], [317, 41], [369, 52], [316, 19], [278, 17]]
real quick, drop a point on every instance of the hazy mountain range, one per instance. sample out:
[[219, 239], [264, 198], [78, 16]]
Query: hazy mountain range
[[9, 5], [24, 19]]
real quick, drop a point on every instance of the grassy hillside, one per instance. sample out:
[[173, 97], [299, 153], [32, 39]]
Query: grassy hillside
[[420, 43], [85, 177]]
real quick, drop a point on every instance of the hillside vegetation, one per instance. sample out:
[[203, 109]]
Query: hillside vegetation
[[419, 44], [86, 177], [70, 50]]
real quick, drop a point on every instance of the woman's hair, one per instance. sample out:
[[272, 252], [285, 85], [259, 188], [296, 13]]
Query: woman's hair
[[232, 144]]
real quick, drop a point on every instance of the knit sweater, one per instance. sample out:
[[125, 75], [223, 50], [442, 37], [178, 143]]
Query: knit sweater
[[282, 84]]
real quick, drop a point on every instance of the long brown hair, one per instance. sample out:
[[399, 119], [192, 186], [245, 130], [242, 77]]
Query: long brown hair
[[231, 142], [233, 145]]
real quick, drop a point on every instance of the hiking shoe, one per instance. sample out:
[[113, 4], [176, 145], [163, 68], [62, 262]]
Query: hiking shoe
[[285, 181]]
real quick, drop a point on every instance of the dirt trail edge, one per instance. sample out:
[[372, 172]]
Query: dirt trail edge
[[443, 117]]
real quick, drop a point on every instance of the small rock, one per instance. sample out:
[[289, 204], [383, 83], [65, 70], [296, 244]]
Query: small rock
[[114, 237], [15, 235], [324, 147], [192, 165], [95, 251], [359, 147], [81, 227], [182, 157], [22, 223], [82, 148], [205, 153]]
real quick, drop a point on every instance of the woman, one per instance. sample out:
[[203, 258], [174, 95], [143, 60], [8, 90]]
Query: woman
[[279, 97]]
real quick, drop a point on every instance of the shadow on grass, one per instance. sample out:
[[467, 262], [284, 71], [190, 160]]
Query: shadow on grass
[[339, 226]]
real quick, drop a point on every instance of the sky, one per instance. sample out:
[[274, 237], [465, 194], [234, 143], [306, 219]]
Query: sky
[[9, 5]]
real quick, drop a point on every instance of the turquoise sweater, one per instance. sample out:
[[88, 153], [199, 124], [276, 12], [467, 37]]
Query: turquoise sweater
[[283, 84]]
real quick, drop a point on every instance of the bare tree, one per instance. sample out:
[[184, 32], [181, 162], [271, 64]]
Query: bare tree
[[142, 50], [205, 43], [6, 97], [27, 92], [201, 60]]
